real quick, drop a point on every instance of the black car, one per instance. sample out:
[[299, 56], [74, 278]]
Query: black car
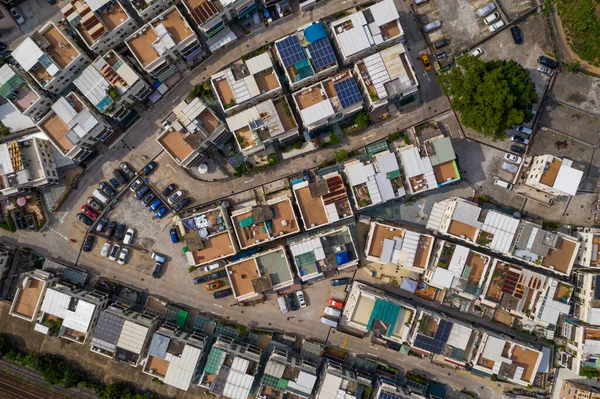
[[340, 281], [518, 149], [111, 229], [157, 269], [3, 46], [21, 221], [441, 43], [184, 202], [85, 219], [169, 189], [30, 219], [127, 170], [208, 277], [120, 233], [97, 206], [107, 189], [148, 169], [306, 175], [87, 244], [148, 199], [114, 182], [222, 294], [102, 224], [549, 62], [141, 192], [517, 34], [120, 176], [292, 300]]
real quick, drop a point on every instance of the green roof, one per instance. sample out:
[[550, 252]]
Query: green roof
[[394, 174], [385, 312], [247, 222], [443, 151], [304, 69], [181, 318], [378, 147], [214, 361], [306, 259], [10, 85]]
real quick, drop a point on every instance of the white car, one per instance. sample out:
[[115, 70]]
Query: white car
[[212, 266], [123, 256], [301, 300], [545, 69], [491, 18], [513, 158], [496, 26], [509, 167], [114, 253], [129, 236], [523, 129], [477, 52], [175, 197], [135, 185], [105, 250], [14, 11]]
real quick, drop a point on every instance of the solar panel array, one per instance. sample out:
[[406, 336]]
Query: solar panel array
[[437, 343], [322, 53], [443, 331], [387, 395], [348, 92], [290, 51]]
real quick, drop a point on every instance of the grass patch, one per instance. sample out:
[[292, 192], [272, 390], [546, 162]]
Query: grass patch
[[581, 20]]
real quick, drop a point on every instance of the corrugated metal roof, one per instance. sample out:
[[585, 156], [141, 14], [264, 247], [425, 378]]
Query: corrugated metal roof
[[27, 54], [158, 346], [437, 213], [384, 186], [93, 86], [383, 12], [317, 112], [387, 162], [96, 4], [259, 63], [242, 119], [182, 369], [57, 303], [503, 227], [108, 330], [459, 336], [133, 337], [330, 387], [238, 382]]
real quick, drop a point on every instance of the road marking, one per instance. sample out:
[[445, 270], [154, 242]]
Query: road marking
[[345, 341], [172, 168], [366, 137], [175, 99], [217, 305], [476, 391], [57, 233], [64, 216], [248, 181]]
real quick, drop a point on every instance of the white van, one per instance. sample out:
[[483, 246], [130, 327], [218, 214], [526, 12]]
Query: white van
[[329, 322], [100, 196], [502, 183], [282, 304], [333, 311], [485, 10], [432, 26]]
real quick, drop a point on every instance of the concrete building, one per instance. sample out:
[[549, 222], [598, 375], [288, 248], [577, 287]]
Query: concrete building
[[589, 247], [174, 356], [164, 41], [261, 223], [322, 202], [262, 274], [72, 311], [306, 55], [367, 31], [324, 252], [231, 368], [553, 175], [336, 381], [112, 86], [25, 164], [286, 374], [586, 296], [582, 347], [246, 82], [389, 244], [31, 290], [375, 181], [27, 98], [51, 58], [123, 334], [101, 24], [263, 124], [388, 76], [510, 361], [190, 129], [328, 101], [149, 9], [578, 390], [73, 128]]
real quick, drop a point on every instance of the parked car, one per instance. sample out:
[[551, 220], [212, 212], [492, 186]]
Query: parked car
[[160, 260], [477, 52], [332, 312], [148, 169], [208, 277], [102, 224], [545, 69], [107, 189], [523, 129], [114, 182], [111, 229], [328, 322], [430, 27], [306, 175], [175, 197], [517, 35], [120, 233], [502, 183], [419, 2], [517, 148], [89, 211], [155, 205], [425, 61], [148, 199], [184, 202], [174, 236], [340, 281], [441, 43], [135, 185], [485, 10], [3, 46], [85, 219], [156, 270], [223, 293], [95, 204], [212, 266], [127, 170], [129, 234], [496, 25], [213, 286], [114, 253], [169, 189], [519, 139], [282, 304], [30, 219], [120, 176], [123, 256], [300, 296], [161, 212], [549, 62], [87, 244], [440, 55], [16, 14], [513, 158], [509, 167], [334, 303], [100, 196], [141, 192], [21, 221], [491, 18], [105, 250], [292, 301]]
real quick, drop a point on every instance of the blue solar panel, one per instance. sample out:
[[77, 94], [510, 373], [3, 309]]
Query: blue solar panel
[[443, 331], [348, 92], [290, 51], [429, 344], [387, 395], [322, 53]]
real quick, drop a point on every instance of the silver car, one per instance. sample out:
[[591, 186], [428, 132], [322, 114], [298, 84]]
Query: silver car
[[509, 167]]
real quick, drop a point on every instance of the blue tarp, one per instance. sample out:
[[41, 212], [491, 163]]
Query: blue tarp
[[342, 258], [315, 32]]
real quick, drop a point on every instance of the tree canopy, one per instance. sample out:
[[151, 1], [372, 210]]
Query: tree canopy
[[490, 96]]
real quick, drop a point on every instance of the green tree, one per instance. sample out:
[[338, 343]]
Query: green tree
[[334, 139], [589, 372], [362, 120], [340, 155], [490, 96], [5, 345]]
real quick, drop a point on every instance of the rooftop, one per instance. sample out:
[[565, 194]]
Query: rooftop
[[203, 10], [93, 19], [208, 237], [460, 268], [26, 301], [15, 89], [561, 175]]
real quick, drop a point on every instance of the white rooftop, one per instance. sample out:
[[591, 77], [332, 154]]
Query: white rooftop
[[553, 308], [459, 336], [568, 178], [262, 115], [80, 123], [259, 63], [317, 112], [92, 85], [58, 303], [238, 382], [181, 369], [27, 54], [503, 227], [385, 66], [304, 383], [132, 337], [414, 166]]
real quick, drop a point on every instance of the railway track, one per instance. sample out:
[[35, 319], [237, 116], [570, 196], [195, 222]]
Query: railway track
[[10, 391]]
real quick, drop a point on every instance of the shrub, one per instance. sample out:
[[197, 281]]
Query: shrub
[[9, 225], [340, 155], [272, 159], [334, 139], [394, 136], [362, 119], [574, 66]]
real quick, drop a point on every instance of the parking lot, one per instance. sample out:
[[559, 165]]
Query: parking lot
[[165, 174], [571, 122], [516, 8], [579, 90]]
